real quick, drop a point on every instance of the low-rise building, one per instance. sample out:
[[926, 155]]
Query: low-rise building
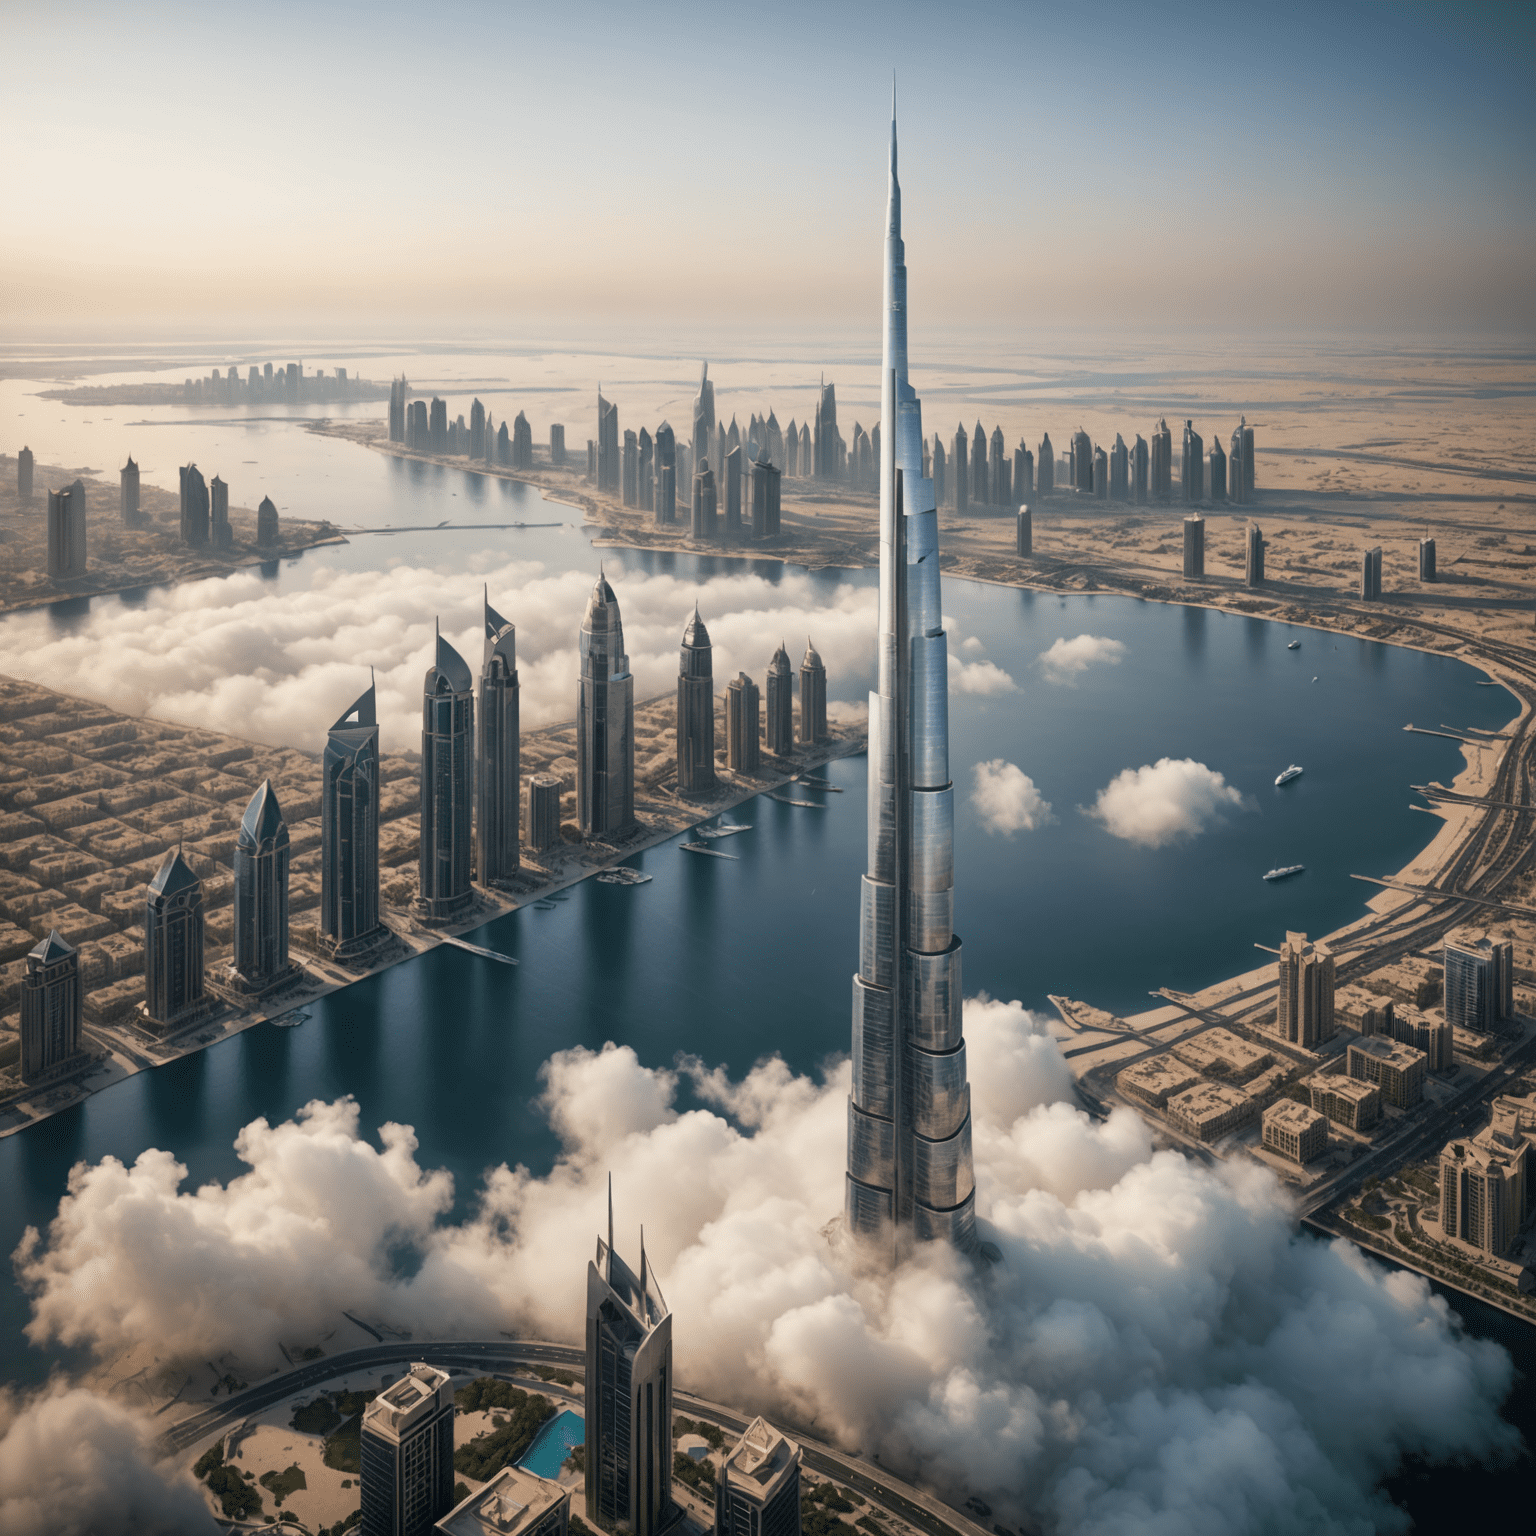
[[1397, 1069], [1209, 1111], [1155, 1081], [1295, 1131], [1219, 1053], [1367, 1012], [513, 1503], [1346, 1101]]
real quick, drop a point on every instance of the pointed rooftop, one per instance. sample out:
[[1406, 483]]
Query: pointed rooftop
[[52, 949], [263, 819], [812, 656], [363, 713], [696, 636], [174, 875], [449, 672]]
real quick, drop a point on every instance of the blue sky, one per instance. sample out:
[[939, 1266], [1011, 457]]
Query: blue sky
[[1065, 164]]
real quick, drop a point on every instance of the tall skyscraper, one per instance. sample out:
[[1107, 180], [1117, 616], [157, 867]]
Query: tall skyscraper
[[261, 894], [1023, 474], [981, 484], [909, 1121], [629, 470], [813, 697], [1162, 463], [447, 785], [418, 434], [1426, 558], [67, 532], [557, 444], [194, 506], [266, 524], [757, 1486], [1216, 475], [1024, 533], [743, 741], [437, 425], [628, 1397], [1239, 485], [608, 470], [52, 1003], [1246, 433], [1253, 565], [1194, 548], [704, 516], [1479, 982], [1045, 467], [645, 473], [999, 469], [24, 468], [940, 475], [349, 830], [1082, 463], [543, 811], [826, 436], [173, 944], [1139, 466], [477, 430], [960, 469], [666, 475], [407, 1455], [522, 443], [1119, 470], [1192, 465], [807, 449], [1100, 474], [779, 724], [765, 498], [1370, 573], [397, 409], [220, 534], [733, 463], [1304, 1011], [605, 721], [128, 490], [703, 419], [498, 767], [696, 709], [792, 449]]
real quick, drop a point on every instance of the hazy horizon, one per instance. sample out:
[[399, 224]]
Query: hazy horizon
[[382, 168]]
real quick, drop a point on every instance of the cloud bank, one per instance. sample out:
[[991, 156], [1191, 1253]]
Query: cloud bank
[[1005, 798], [983, 678], [1067, 660], [1157, 1351], [1161, 802], [278, 665]]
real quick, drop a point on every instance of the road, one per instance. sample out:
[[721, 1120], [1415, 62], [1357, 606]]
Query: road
[[920, 1509]]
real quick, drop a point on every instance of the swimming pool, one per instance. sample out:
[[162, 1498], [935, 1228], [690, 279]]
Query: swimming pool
[[553, 1444]]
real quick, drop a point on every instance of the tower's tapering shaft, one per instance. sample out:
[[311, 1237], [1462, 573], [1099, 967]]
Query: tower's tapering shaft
[[909, 1125]]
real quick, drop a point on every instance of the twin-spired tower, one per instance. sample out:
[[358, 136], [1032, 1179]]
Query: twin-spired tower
[[909, 1117]]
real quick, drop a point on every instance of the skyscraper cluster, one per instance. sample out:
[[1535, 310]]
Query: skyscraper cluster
[[424, 426], [205, 510], [286, 383]]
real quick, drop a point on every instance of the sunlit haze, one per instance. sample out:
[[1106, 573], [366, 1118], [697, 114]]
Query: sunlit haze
[[181, 169]]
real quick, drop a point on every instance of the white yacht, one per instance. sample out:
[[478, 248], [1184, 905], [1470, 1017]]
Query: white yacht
[[1293, 772], [1286, 872]]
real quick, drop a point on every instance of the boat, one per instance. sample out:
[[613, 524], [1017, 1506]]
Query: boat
[[1286, 872], [714, 853], [623, 875], [290, 1020], [1295, 645], [1293, 772], [813, 782], [544, 904], [725, 829], [1314, 679], [810, 805]]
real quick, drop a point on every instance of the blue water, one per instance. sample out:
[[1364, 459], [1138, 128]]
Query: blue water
[[553, 1444]]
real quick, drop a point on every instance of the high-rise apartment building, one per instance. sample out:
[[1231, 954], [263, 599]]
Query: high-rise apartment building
[[1426, 559], [1080, 456], [1162, 463], [666, 476], [628, 1395], [1397, 1069], [909, 1123], [1119, 470], [704, 509], [779, 722], [1100, 481], [825, 437], [521, 447], [813, 697], [1192, 465], [52, 1004], [497, 764], [543, 811], [765, 498], [1194, 548], [173, 944], [1479, 982], [1304, 1013], [743, 740], [266, 524], [608, 467], [757, 1485], [128, 490], [447, 785], [407, 1455], [1253, 562], [349, 830], [1024, 533], [67, 532], [194, 506], [703, 419], [981, 480], [1139, 470], [605, 722], [733, 477], [24, 471], [557, 444], [1216, 472], [220, 534], [261, 895], [960, 468], [696, 709], [1239, 486], [1370, 573]]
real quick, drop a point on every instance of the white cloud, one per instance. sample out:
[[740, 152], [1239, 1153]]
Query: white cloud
[[278, 666], [1067, 659], [1158, 1349], [972, 644], [984, 678], [75, 1464], [1160, 802], [1006, 799]]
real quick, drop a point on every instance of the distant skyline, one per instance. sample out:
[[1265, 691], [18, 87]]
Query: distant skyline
[[485, 167]]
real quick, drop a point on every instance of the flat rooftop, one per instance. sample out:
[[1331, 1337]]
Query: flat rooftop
[[513, 1500], [1345, 1087], [1392, 1052], [1220, 1049], [1292, 1116], [1208, 1101]]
